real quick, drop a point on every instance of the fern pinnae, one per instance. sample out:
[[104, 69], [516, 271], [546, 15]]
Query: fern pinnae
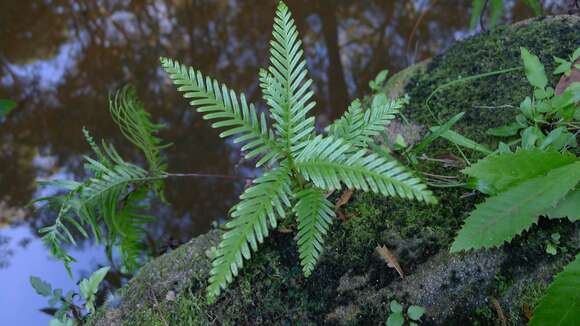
[[314, 214], [218, 102], [285, 84], [358, 127], [327, 162], [135, 123], [259, 208]]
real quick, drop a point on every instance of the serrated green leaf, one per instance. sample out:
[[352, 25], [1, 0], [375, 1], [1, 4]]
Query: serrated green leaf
[[500, 218], [561, 303], [569, 207], [534, 69], [42, 287], [505, 170]]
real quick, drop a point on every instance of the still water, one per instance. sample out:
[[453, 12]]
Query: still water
[[60, 59]]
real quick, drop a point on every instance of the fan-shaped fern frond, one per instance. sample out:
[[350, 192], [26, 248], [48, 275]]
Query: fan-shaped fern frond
[[259, 208], [216, 101], [314, 214], [285, 85], [135, 124], [358, 126], [327, 162]]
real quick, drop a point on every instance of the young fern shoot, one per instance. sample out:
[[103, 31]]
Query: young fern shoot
[[305, 166]]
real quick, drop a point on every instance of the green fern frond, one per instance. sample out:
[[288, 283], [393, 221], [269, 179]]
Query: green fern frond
[[561, 304], [314, 214], [358, 127], [327, 162], [216, 101], [135, 123], [129, 225], [285, 86], [502, 217], [259, 208]]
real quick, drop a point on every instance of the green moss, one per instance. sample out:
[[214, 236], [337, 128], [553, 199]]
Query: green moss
[[492, 51]]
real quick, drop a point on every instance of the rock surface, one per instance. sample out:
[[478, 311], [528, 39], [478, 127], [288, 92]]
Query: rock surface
[[351, 285]]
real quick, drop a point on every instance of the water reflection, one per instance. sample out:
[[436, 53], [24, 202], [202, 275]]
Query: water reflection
[[59, 60]]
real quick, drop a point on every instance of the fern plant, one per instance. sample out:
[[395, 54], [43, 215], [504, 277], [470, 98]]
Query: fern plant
[[304, 166], [110, 204]]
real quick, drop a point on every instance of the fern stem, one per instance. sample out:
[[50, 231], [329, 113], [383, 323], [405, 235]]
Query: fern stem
[[205, 175]]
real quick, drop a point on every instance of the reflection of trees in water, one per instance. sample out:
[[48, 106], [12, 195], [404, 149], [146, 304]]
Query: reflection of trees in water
[[96, 46]]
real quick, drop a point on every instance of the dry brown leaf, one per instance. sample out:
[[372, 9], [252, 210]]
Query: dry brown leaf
[[527, 311], [390, 259], [499, 312], [566, 81], [343, 200]]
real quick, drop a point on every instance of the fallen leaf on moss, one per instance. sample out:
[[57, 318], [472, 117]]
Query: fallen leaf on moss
[[499, 312], [390, 259], [527, 311], [343, 200]]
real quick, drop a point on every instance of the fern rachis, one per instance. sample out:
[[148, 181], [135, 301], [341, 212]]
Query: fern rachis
[[304, 164]]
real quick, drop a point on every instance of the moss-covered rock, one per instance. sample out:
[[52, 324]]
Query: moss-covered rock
[[351, 285]]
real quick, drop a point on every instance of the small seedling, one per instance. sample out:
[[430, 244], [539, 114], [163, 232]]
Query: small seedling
[[397, 317]]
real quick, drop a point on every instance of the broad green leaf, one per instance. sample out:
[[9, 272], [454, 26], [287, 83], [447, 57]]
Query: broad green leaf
[[43, 288], [534, 69], [88, 287], [504, 216], [505, 170], [561, 303], [569, 207]]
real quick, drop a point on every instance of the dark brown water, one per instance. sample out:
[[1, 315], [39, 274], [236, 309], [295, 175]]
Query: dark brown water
[[60, 59]]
